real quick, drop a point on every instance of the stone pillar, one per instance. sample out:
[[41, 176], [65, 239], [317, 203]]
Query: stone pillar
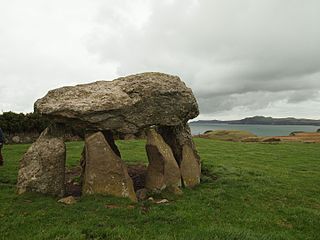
[[179, 138], [105, 172], [42, 168], [163, 170], [190, 167]]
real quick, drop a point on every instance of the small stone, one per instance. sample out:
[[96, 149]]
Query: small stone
[[16, 139], [162, 201], [151, 199], [68, 200]]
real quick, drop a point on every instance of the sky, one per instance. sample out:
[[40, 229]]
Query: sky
[[241, 58]]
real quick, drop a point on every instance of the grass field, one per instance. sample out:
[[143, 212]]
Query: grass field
[[248, 191]]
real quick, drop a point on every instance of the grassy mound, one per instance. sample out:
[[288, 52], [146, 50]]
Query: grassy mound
[[228, 135], [248, 191]]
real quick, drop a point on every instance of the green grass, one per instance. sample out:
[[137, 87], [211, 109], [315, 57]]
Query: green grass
[[262, 191]]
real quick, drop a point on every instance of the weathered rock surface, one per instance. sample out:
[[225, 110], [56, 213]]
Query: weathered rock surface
[[176, 137], [190, 167], [105, 172], [127, 104], [163, 170], [42, 168], [179, 138]]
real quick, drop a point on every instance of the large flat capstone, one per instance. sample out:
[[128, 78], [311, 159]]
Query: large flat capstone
[[127, 104]]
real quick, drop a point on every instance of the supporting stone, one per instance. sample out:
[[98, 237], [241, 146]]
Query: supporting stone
[[176, 137], [42, 168], [163, 170], [189, 167], [179, 138], [105, 172]]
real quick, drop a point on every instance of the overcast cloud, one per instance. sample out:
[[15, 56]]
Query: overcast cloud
[[241, 58]]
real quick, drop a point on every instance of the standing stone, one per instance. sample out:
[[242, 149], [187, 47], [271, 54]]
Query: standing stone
[[163, 170], [176, 137], [179, 138], [42, 168], [105, 172], [190, 167]]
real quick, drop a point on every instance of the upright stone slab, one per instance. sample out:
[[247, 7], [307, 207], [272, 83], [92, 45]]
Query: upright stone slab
[[163, 170], [176, 137], [42, 168], [179, 138], [190, 167], [105, 172]]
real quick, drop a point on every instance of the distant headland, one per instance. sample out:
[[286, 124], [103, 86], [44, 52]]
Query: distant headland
[[263, 121]]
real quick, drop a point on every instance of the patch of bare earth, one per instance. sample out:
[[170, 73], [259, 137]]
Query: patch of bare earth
[[72, 181]]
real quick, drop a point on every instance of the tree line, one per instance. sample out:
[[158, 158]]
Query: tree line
[[11, 122]]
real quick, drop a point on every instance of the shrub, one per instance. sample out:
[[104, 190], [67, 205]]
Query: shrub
[[11, 122]]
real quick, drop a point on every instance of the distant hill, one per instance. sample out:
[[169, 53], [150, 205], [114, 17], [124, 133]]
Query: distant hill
[[264, 121]]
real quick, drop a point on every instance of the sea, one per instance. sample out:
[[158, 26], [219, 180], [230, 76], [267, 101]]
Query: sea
[[259, 130]]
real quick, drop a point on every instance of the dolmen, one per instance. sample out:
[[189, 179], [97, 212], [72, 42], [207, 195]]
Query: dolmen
[[157, 104]]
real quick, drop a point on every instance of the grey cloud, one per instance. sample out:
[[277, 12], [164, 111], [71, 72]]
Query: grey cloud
[[237, 56], [301, 96], [249, 101], [226, 51]]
